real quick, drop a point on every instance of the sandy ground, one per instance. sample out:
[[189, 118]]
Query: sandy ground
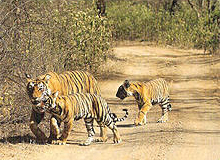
[[193, 129]]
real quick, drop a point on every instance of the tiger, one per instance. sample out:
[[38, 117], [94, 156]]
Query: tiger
[[68, 82], [147, 94], [85, 106]]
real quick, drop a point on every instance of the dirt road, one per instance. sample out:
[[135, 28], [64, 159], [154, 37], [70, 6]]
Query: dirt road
[[193, 129]]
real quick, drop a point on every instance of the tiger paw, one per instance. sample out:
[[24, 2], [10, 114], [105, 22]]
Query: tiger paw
[[137, 123], [100, 139], [117, 140], [58, 142], [161, 120], [41, 141], [87, 142], [51, 140]]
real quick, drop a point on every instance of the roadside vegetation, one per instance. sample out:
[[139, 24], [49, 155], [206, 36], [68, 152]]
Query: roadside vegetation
[[182, 24], [41, 36]]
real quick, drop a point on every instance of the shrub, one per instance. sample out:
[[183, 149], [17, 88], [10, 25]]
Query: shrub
[[154, 22], [40, 36]]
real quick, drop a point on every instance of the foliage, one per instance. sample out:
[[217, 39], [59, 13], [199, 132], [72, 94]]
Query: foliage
[[155, 22], [40, 36]]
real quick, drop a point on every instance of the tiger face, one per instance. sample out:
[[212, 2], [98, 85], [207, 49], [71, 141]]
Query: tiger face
[[125, 90], [38, 91], [52, 102]]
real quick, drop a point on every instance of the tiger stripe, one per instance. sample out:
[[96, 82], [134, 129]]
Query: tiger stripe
[[69, 82], [147, 94], [85, 106]]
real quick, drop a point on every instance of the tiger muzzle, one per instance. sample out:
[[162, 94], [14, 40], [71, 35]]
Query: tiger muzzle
[[35, 102], [121, 93]]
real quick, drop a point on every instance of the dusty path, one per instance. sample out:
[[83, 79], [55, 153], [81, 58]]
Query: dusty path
[[193, 130]]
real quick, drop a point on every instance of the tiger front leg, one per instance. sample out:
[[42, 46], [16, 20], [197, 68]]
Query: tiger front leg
[[54, 130], [141, 118], [35, 119], [144, 121], [66, 131]]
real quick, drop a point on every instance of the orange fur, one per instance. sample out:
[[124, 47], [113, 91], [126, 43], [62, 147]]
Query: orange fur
[[87, 106], [146, 94], [66, 83]]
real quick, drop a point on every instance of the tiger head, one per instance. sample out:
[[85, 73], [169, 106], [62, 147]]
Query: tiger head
[[125, 90], [38, 91], [54, 103]]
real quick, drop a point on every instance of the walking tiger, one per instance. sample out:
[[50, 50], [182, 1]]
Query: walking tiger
[[66, 83], [87, 106], [147, 94]]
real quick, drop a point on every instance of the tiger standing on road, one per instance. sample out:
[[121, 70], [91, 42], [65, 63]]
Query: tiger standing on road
[[66, 83], [146, 95], [87, 106]]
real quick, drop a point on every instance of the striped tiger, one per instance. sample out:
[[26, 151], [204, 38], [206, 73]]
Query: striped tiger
[[147, 94], [66, 83], [85, 106]]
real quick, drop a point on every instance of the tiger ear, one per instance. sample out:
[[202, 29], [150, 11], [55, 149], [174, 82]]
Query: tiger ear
[[126, 83], [28, 77], [47, 77], [56, 94]]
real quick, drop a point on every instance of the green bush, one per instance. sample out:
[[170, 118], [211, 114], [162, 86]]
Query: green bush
[[73, 38], [181, 28], [86, 40], [41, 36], [130, 21]]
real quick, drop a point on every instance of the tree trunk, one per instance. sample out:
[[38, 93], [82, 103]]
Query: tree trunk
[[101, 6]]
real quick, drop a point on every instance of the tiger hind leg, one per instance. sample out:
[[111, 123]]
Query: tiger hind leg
[[164, 117], [165, 106], [90, 130], [169, 107], [116, 138]]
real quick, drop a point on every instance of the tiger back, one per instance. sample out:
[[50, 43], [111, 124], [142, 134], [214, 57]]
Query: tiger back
[[66, 83]]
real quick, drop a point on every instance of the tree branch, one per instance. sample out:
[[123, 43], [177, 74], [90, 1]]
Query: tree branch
[[194, 8]]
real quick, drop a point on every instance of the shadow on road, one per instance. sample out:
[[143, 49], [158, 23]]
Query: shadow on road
[[18, 139]]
